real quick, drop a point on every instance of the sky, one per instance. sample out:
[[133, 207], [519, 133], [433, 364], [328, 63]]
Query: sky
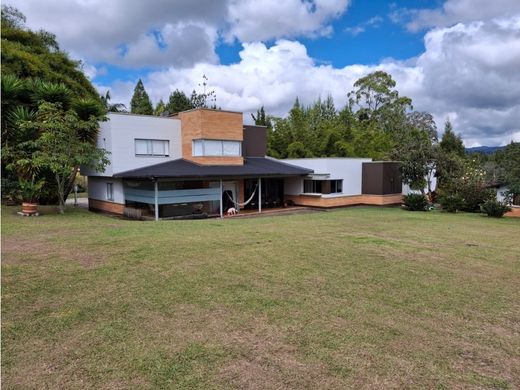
[[457, 59]]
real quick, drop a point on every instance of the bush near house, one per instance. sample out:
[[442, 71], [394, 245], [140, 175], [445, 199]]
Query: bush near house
[[415, 202], [494, 208], [451, 203]]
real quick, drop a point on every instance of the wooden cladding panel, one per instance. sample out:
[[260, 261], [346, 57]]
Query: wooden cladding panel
[[210, 124], [318, 201], [108, 207], [217, 160]]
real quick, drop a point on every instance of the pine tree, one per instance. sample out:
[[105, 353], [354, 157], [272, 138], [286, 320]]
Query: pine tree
[[160, 108], [261, 118], [140, 103], [451, 142], [177, 102]]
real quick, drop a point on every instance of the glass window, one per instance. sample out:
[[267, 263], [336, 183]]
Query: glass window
[[212, 148], [318, 186], [336, 186], [231, 148], [110, 191], [141, 146], [198, 147], [159, 148], [152, 147], [312, 186]]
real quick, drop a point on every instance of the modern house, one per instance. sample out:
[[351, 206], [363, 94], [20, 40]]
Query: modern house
[[203, 162]]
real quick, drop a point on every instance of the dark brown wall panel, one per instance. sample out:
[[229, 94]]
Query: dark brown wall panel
[[381, 178], [255, 141]]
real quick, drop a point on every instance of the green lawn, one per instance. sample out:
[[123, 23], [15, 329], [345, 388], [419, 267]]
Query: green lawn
[[358, 298]]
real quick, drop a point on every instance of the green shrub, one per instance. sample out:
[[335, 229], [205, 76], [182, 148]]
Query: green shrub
[[451, 203], [474, 196], [494, 208], [415, 202]]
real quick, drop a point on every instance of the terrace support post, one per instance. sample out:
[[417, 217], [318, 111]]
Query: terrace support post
[[156, 193], [259, 195], [221, 205]]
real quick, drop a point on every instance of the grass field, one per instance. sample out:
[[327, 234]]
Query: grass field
[[352, 298]]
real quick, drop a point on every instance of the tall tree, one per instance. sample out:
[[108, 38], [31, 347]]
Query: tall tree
[[36, 54], [377, 101], [177, 102], [61, 147], [160, 108], [111, 107], [140, 103], [451, 142], [450, 160], [261, 118]]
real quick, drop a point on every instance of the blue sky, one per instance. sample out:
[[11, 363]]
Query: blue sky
[[380, 40], [457, 59]]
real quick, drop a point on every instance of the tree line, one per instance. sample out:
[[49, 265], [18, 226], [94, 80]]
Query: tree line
[[177, 101], [379, 123]]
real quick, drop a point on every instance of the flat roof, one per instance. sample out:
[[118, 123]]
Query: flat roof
[[252, 167], [207, 109], [141, 115]]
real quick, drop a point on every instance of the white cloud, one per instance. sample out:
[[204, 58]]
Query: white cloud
[[468, 72], [100, 31], [456, 11], [253, 20], [177, 33], [461, 75], [362, 27]]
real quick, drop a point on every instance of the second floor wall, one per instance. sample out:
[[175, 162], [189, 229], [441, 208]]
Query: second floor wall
[[212, 137], [204, 136], [136, 141]]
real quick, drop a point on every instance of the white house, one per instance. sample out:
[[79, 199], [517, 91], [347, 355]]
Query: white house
[[203, 162]]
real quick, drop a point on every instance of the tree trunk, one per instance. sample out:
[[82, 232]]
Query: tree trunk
[[70, 183], [61, 195]]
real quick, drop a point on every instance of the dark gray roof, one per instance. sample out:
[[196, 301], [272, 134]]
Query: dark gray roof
[[253, 167]]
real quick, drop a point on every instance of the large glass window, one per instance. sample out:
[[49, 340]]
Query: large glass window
[[323, 186], [152, 147], [211, 147]]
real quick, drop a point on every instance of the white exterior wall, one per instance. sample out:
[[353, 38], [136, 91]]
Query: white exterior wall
[[500, 193], [118, 134], [407, 190], [97, 189], [347, 169]]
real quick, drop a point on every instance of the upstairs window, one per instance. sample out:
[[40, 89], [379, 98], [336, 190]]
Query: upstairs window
[[216, 148], [152, 147]]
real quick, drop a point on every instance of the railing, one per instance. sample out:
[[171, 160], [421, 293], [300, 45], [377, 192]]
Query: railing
[[172, 197]]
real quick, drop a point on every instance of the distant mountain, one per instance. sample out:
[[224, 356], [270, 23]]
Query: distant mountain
[[484, 149]]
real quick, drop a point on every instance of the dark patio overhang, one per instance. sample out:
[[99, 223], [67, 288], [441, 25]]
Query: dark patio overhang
[[253, 167]]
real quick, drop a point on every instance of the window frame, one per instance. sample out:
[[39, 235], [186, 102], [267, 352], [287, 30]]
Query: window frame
[[149, 147], [109, 191], [317, 186], [202, 147]]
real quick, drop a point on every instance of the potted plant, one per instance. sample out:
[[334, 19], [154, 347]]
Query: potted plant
[[30, 191]]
